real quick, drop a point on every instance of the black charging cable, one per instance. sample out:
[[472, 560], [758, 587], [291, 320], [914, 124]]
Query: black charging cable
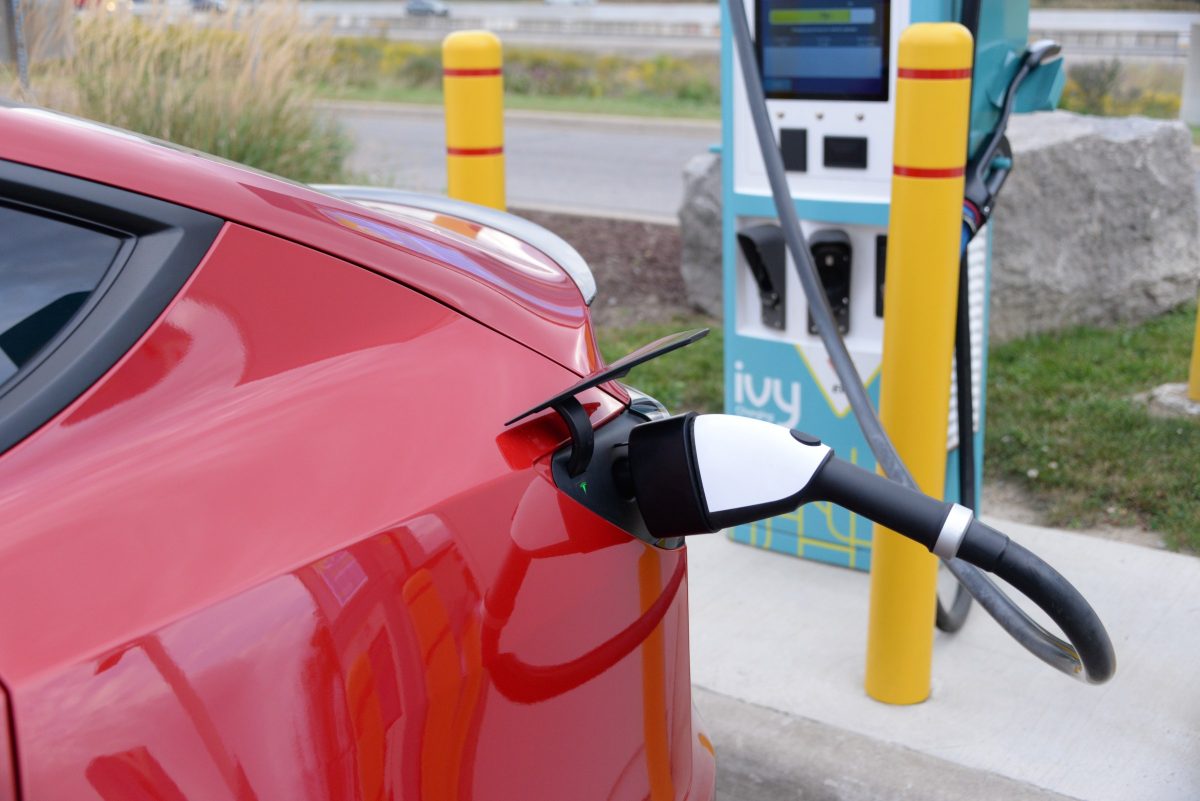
[[951, 619]]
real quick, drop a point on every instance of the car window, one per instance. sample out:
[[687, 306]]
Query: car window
[[48, 268]]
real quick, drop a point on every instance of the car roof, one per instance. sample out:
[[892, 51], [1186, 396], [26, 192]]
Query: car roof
[[542, 309]]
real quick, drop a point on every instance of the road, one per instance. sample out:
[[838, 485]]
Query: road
[[618, 166], [621, 166]]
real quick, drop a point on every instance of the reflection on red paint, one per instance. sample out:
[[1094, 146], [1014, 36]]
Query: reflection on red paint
[[133, 775]]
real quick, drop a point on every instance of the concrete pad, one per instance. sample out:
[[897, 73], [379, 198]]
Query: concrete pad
[[789, 635]]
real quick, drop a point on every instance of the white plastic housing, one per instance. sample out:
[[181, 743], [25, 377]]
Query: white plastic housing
[[744, 462]]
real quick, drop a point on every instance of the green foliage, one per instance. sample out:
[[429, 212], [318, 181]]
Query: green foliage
[[384, 68], [1062, 422], [1111, 89], [229, 87], [689, 379]]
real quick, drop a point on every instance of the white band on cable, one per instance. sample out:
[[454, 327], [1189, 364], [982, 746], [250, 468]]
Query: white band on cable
[[953, 531]]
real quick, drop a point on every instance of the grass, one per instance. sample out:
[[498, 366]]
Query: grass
[[364, 68], [1115, 88], [230, 86], [1061, 420], [625, 106], [685, 380]]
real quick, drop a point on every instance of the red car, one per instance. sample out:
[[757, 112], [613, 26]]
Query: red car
[[264, 531]]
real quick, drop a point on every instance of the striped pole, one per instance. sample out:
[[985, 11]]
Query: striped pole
[[473, 87], [933, 96]]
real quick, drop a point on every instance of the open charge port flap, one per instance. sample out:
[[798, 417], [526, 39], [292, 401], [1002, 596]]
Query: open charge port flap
[[765, 252], [832, 254]]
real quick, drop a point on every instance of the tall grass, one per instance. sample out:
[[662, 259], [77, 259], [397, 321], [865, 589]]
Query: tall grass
[[361, 66], [1113, 88], [227, 84]]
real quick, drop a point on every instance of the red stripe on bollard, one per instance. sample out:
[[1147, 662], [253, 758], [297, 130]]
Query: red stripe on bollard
[[933, 75], [474, 151], [927, 172], [471, 73]]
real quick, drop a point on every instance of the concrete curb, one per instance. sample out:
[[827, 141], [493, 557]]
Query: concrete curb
[[766, 755]]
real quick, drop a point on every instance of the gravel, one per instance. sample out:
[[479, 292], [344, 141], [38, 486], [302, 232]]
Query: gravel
[[636, 265]]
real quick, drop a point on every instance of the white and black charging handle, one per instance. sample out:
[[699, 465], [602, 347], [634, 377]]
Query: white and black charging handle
[[696, 474]]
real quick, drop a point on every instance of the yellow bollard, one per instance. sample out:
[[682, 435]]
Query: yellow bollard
[[473, 88], [1193, 388], [933, 94]]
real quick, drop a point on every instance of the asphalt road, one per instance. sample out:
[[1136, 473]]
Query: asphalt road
[[621, 166], [618, 166]]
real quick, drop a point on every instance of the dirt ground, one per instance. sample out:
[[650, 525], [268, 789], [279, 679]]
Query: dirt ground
[[636, 265]]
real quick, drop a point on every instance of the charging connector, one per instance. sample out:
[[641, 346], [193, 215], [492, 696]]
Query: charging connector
[[695, 474]]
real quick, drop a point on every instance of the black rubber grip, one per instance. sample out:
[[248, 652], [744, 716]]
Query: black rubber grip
[[983, 546], [905, 511]]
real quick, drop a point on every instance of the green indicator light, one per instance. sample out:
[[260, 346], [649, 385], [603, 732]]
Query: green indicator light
[[583, 486], [810, 16]]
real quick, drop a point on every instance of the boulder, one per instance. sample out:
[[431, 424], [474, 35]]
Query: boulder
[[1097, 224], [700, 231]]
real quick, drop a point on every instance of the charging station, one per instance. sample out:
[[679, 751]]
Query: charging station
[[829, 74]]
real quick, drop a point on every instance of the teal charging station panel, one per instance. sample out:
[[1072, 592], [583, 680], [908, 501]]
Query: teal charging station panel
[[829, 74]]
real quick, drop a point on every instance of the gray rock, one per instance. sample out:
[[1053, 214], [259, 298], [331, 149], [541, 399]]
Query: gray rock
[[1097, 224], [700, 230]]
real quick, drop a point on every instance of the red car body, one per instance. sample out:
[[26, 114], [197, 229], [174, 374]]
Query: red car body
[[284, 547]]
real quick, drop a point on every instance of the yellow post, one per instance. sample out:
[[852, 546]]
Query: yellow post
[[1193, 388], [473, 87], [932, 104]]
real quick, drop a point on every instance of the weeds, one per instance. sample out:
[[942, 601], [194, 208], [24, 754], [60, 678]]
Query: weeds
[[1114, 89], [227, 85], [380, 68]]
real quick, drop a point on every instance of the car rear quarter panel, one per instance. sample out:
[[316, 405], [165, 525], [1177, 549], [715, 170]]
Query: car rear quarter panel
[[287, 549], [540, 307]]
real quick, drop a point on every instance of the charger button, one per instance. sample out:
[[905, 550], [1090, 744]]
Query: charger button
[[807, 439]]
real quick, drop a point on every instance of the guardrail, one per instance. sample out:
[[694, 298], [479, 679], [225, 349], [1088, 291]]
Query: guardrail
[[563, 27], [1141, 44], [1159, 44]]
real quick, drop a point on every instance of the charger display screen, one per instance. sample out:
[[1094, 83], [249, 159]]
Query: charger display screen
[[823, 49]]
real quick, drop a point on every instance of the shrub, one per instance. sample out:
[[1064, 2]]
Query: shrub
[[1113, 89], [227, 86], [375, 63]]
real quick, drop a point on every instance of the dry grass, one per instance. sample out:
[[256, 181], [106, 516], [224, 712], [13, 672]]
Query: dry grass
[[227, 84], [1115, 88]]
